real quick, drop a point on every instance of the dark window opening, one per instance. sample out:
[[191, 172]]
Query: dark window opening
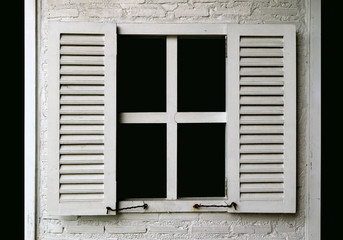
[[201, 74], [141, 161], [201, 160], [141, 73]]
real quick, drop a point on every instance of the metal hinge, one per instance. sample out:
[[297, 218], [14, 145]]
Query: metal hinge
[[226, 194]]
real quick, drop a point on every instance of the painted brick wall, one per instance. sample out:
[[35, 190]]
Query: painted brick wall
[[182, 225]]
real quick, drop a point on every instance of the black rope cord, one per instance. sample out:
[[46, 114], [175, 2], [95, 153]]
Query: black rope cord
[[145, 206], [233, 204]]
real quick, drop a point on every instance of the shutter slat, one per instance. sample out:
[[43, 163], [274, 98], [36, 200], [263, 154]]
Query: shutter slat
[[262, 168], [261, 187], [81, 60], [82, 188], [82, 178], [261, 100], [82, 70], [78, 90], [82, 129], [82, 80], [262, 177], [262, 81], [261, 148], [82, 139], [82, 39], [261, 52], [82, 119], [261, 42], [82, 50], [82, 149], [82, 169], [82, 159], [245, 139], [261, 129], [89, 110], [261, 90], [261, 71], [261, 119], [261, 110], [262, 158], [77, 100], [260, 62]]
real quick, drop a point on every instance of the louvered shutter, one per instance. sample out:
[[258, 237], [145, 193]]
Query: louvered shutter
[[82, 118], [261, 106]]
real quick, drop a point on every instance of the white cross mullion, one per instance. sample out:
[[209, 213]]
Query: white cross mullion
[[171, 112]]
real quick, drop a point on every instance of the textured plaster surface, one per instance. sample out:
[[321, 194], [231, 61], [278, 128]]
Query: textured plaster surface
[[177, 225]]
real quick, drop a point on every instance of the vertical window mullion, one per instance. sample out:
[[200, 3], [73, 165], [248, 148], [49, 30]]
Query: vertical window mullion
[[171, 123]]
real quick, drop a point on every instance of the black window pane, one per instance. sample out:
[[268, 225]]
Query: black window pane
[[141, 161], [201, 160], [141, 74], [201, 74]]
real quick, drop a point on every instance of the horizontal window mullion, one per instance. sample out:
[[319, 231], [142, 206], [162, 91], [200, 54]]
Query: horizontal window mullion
[[143, 117], [201, 117]]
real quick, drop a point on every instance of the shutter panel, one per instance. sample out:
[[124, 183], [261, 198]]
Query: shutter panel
[[82, 118], [261, 106]]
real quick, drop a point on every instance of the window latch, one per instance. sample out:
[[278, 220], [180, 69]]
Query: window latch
[[145, 206], [233, 204]]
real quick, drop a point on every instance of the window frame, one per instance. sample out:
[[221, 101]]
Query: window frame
[[171, 203]]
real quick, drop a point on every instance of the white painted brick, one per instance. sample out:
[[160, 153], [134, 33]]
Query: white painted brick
[[167, 229], [148, 12], [263, 229], [64, 13], [279, 11], [280, 22], [110, 12], [241, 10], [125, 229], [138, 216], [53, 228], [285, 228], [214, 238], [166, 1], [169, 7], [209, 1], [258, 229], [267, 238], [126, 1], [85, 229], [85, 1], [218, 217], [185, 12], [179, 216], [243, 229], [252, 0], [210, 229], [57, 2]]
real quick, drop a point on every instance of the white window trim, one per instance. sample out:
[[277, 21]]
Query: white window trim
[[313, 209], [30, 120], [171, 117]]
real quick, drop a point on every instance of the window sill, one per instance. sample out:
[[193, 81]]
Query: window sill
[[180, 205]]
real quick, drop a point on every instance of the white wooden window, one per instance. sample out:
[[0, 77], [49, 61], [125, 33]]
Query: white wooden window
[[259, 116]]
